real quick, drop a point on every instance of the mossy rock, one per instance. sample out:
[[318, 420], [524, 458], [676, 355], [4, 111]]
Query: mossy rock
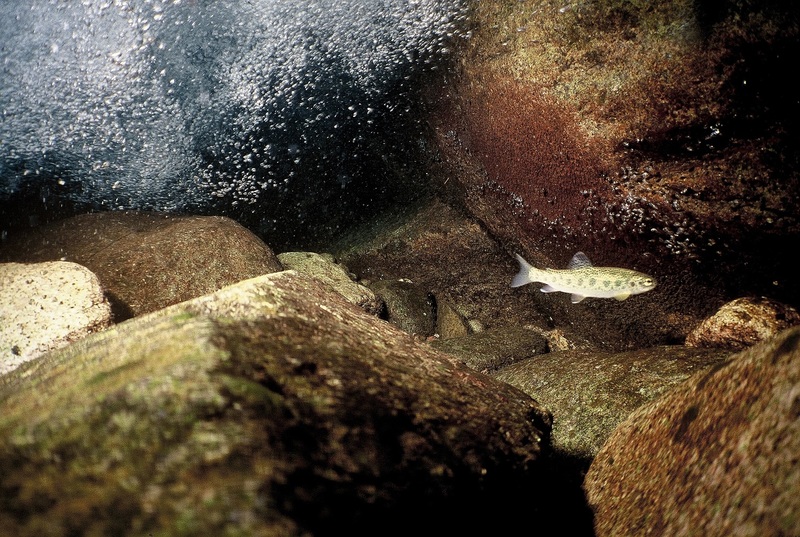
[[272, 407]]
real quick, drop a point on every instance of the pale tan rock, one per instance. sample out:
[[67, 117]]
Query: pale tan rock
[[743, 322], [44, 306]]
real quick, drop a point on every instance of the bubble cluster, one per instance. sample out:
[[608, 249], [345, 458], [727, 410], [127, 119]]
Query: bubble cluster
[[258, 109]]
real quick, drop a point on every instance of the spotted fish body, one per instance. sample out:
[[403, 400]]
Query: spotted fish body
[[581, 279]]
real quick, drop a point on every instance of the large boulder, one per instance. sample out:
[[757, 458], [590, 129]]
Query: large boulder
[[653, 136], [271, 407], [590, 393], [147, 261], [716, 456]]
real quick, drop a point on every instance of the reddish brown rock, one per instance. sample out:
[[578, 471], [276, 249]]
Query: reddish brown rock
[[147, 261], [649, 136], [716, 456]]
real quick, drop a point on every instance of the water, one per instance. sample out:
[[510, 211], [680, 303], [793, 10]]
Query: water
[[293, 117]]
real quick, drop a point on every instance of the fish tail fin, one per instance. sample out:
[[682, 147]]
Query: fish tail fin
[[523, 276]]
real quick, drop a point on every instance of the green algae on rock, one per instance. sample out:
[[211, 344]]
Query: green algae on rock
[[590, 392], [271, 407]]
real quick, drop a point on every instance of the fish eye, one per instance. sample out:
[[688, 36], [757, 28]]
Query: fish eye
[[648, 282]]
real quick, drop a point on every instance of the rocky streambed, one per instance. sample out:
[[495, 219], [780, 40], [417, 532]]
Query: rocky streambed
[[396, 383], [338, 349]]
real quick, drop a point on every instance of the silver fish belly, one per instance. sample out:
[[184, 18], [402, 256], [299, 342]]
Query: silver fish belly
[[581, 279]]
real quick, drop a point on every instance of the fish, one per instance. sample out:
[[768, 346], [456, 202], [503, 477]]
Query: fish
[[581, 279]]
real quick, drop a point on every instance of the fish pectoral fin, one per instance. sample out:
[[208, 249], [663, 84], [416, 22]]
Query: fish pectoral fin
[[547, 288], [576, 298], [622, 296]]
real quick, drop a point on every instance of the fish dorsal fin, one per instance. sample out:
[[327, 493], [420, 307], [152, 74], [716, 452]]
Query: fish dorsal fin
[[579, 260]]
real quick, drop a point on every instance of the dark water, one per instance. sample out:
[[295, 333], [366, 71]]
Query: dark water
[[296, 118]]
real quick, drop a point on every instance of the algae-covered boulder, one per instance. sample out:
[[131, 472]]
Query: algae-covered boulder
[[589, 393], [271, 407]]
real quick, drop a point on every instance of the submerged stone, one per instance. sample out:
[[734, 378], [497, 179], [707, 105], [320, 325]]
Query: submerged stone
[[44, 306], [146, 261], [271, 407], [716, 456]]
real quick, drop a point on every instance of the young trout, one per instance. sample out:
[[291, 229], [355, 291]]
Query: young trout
[[581, 279]]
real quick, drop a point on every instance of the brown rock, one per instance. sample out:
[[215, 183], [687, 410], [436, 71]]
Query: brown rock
[[494, 349], [147, 261], [449, 322], [716, 456], [743, 322], [649, 136], [409, 305], [271, 407], [448, 254], [589, 393]]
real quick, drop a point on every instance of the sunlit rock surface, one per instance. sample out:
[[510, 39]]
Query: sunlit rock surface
[[293, 117], [271, 407]]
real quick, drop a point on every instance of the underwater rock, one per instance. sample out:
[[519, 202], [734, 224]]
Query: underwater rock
[[716, 456], [743, 322], [649, 136], [589, 393], [44, 306], [448, 253], [449, 322], [324, 268], [409, 306], [271, 407], [494, 349], [147, 261], [294, 118]]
